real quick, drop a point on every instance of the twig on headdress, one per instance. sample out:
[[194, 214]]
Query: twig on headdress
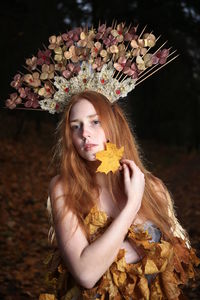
[[20, 72], [24, 108], [154, 54], [142, 31], [127, 45], [121, 74], [86, 26], [128, 28], [157, 69], [30, 71], [40, 72], [146, 71], [159, 47]]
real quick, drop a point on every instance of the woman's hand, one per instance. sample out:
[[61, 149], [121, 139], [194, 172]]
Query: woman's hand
[[134, 183]]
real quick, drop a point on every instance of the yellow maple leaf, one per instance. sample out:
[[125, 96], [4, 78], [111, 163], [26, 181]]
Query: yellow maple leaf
[[109, 158], [95, 219]]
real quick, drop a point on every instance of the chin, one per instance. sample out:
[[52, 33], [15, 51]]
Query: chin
[[91, 158]]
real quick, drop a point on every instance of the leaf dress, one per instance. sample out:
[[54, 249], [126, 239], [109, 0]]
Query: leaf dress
[[158, 275]]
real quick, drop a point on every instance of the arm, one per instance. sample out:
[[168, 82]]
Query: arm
[[88, 262], [133, 253]]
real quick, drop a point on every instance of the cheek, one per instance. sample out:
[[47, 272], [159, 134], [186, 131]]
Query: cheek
[[75, 140], [102, 136]]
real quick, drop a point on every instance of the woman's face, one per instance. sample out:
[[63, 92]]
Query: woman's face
[[88, 136]]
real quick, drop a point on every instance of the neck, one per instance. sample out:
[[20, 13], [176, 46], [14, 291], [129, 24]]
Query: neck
[[101, 178]]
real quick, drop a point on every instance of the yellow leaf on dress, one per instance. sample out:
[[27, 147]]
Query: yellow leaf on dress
[[48, 258], [109, 158], [129, 288], [150, 267], [95, 219], [169, 282], [47, 297], [72, 293], [121, 264], [156, 291], [109, 286], [166, 249], [119, 278], [144, 289]]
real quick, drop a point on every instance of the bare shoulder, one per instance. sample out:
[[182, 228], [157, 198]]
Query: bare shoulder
[[56, 188], [56, 192], [55, 184], [59, 206]]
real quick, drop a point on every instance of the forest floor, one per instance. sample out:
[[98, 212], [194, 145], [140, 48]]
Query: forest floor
[[24, 176]]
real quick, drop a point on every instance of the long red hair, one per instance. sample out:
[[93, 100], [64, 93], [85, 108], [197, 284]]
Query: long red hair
[[82, 192]]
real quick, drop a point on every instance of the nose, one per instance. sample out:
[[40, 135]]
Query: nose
[[85, 131]]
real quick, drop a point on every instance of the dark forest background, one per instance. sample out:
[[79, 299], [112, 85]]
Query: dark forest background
[[164, 112]]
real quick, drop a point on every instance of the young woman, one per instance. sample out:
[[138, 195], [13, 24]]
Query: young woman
[[117, 236], [87, 261]]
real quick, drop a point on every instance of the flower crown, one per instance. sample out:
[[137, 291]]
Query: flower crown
[[109, 60]]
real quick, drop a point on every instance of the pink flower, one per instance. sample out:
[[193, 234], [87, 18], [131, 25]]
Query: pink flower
[[128, 68], [33, 79], [98, 64], [16, 83], [131, 70], [32, 62], [160, 57], [71, 69], [47, 91], [72, 36], [32, 100], [44, 57], [13, 101], [131, 34], [22, 92], [103, 33], [110, 40], [119, 66]]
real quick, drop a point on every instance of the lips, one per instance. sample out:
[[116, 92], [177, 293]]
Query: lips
[[88, 147]]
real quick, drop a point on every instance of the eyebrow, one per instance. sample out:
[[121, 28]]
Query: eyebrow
[[90, 116]]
